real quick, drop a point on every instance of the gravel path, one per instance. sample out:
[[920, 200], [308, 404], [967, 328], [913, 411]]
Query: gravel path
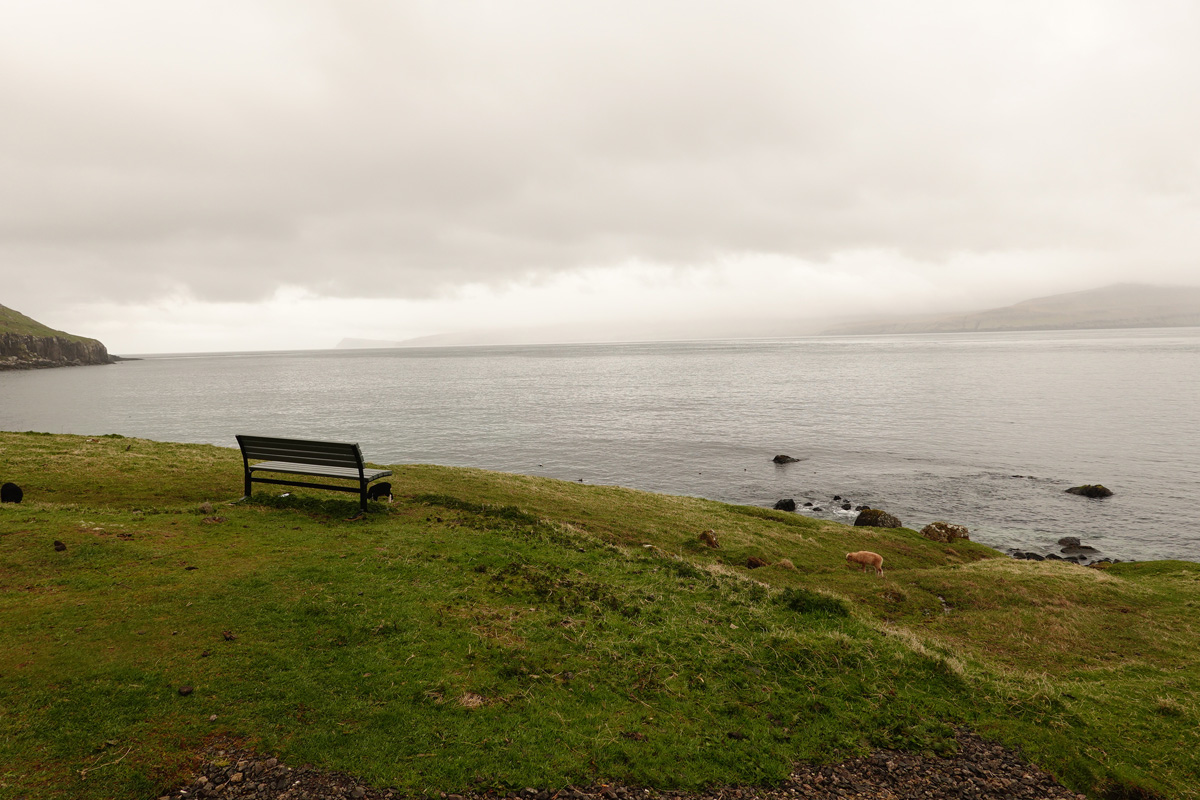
[[980, 771]]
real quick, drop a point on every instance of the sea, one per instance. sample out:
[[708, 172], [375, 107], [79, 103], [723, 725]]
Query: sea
[[985, 430]]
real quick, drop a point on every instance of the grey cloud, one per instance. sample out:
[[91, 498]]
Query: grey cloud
[[378, 148]]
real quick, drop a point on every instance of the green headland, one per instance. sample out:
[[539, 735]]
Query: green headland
[[488, 630]]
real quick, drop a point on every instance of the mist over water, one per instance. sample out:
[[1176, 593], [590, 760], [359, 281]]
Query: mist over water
[[925, 426]]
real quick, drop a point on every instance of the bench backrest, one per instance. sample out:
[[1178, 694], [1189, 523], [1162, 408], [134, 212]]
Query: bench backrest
[[301, 451]]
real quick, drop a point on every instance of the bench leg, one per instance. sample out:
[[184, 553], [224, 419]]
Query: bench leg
[[247, 489], [362, 495]]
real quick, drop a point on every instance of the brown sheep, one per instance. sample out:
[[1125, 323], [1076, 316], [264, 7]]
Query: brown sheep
[[865, 558]]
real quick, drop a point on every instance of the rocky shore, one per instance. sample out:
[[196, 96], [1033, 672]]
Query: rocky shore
[[26, 351], [981, 770]]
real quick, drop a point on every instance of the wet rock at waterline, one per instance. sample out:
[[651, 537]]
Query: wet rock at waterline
[[875, 518], [781, 459], [1091, 490], [945, 532], [786, 505]]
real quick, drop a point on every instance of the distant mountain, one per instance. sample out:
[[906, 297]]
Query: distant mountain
[[26, 343], [1123, 305]]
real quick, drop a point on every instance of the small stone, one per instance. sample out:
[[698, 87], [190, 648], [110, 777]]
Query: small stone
[[236, 777], [781, 459], [186, 690], [212, 718], [59, 546]]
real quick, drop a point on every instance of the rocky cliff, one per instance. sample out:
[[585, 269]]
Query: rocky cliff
[[24, 351], [28, 344]]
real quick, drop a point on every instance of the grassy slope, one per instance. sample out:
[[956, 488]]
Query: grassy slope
[[16, 322], [501, 630]]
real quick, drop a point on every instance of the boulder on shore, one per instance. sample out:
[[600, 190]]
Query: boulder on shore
[[875, 518], [784, 460], [945, 532], [785, 505], [1090, 490]]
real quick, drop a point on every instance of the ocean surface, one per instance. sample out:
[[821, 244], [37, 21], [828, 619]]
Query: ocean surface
[[983, 430]]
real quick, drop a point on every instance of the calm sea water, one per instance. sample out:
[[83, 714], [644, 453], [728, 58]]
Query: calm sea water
[[927, 427]]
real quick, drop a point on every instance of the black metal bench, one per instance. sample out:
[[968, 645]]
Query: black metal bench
[[303, 457]]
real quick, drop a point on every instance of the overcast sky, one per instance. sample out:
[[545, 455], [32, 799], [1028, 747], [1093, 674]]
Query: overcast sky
[[189, 176]]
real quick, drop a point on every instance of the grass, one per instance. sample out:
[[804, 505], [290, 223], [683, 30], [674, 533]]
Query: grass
[[500, 631], [15, 322]]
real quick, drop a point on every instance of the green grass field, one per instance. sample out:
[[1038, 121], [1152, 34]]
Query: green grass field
[[492, 630]]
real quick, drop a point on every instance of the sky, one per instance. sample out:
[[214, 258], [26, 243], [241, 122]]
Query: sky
[[197, 176]]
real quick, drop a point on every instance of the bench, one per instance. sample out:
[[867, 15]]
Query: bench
[[303, 457]]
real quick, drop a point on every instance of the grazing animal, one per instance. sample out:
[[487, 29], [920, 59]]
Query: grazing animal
[[380, 491], [865, 558], [10, 493]]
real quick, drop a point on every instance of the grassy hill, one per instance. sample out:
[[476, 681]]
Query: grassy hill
[[16, 322], [494, 630]]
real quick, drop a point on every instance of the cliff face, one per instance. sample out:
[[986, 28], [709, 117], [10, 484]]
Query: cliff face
[[26, 351]]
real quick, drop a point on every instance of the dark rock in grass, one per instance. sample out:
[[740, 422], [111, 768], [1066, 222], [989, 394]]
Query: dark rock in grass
[[945, 532], [186, 690], [709, 538], [875, 518], [59, 546], [11, 493], [784, 460], [754, 562], [1090, 490], [1069, 541], [786, 505]]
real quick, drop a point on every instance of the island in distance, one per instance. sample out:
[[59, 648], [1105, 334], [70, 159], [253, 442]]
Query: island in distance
[[1123, 305]]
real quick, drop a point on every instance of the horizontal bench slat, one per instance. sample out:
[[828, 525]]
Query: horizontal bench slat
[[293, 458], [324, 471], [300, 444]]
